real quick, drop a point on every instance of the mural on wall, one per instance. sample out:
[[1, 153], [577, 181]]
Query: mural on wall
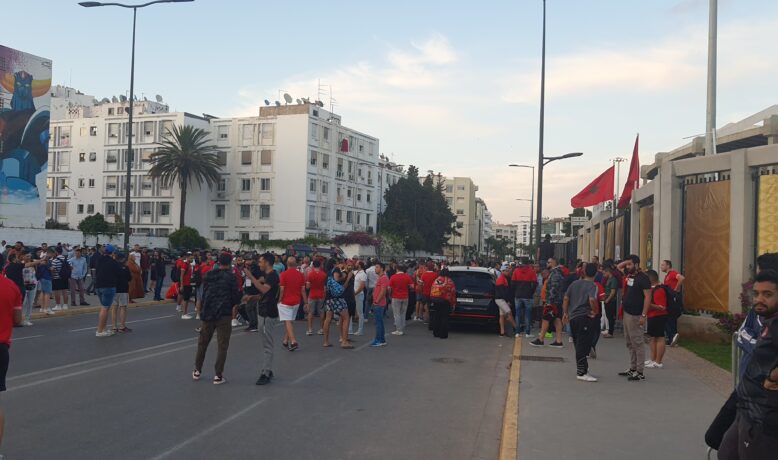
[[647, 236], [24, 137], [767, 229], [706, 246]]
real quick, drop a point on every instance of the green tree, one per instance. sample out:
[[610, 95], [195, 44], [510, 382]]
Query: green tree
[[52, 224], [94, 225], [186, 157], [418, 212], [500, 247], [187, 238]]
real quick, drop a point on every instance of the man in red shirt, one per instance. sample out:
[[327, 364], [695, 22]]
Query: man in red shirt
[[315, 304], [400, 284], [10, 316], [292, 294], [427, 278], [657, 320], [184, 281], [674, 280]]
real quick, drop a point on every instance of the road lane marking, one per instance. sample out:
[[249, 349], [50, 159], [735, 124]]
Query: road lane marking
[[16, 339], [209, 430], [509, 440], [317, 370], [92, 328]]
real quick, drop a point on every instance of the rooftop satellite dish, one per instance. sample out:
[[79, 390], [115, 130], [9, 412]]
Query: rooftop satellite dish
[[299, 101], [159, 98], [287, 98], [306, 100], [267, 102], [114, 99], [145, 99], [278, 104], [320, 103], [105, 100], [123, 98], [95, 101]]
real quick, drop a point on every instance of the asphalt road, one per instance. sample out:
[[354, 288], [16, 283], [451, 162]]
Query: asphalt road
[[74, 396]]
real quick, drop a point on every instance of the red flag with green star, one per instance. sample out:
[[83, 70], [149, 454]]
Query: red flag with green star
[[601, 189]]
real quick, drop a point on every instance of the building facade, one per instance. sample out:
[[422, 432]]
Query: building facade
[[460, 196]]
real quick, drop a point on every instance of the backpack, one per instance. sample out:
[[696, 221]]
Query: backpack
[[674, 301], [334, 288], [443, 289], [197, 276], [65, 270], [175, 272]]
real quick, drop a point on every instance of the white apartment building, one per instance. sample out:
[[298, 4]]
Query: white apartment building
[[88, 158], [292, 171], [460, 196], [506, 232]]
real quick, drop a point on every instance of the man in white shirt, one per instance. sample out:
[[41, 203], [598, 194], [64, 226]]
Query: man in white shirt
[[135, 254], [360, 288]]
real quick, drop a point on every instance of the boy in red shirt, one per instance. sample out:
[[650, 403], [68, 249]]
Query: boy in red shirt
[[400, 284], [10, 316], [657, 320]]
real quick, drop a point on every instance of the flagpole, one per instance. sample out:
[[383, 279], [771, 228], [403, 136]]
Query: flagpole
[[617, 161], [710, 115]]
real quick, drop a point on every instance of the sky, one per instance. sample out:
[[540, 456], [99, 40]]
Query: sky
[[449, 86]]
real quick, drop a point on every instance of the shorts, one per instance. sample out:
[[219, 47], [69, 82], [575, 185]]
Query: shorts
[[335, 305], [315, 306], [45, 286], [504, 306], [551, 312], [199, 291], [656, 326], [4, 358], [60, 284], [287, 312], [186, 293], [106, 296], [121, 299], [424, 298]]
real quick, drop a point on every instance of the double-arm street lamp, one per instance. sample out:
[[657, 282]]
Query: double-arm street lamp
[[543, 161], [531, 200], [128, 185]]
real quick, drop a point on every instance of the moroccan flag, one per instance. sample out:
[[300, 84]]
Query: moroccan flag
[[633, 178], [601, 189]]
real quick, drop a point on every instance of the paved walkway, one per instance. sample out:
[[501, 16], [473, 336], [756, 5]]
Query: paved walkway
[[664, 416]]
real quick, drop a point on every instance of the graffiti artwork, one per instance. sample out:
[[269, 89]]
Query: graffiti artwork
[[24, 137]]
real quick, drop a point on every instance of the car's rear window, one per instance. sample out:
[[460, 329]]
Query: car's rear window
[[473, 282]]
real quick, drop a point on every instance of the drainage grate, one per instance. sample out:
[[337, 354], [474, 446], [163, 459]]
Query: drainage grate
[[547, 359], [448, 360]]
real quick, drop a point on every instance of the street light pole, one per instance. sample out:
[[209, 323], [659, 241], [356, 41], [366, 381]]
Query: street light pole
[[531, 201], [130, 156], [540, 139]]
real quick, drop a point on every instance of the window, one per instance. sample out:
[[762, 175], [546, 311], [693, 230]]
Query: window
[[81, 183], [145, 155], [314, 131], [245, 185], [90, 209], [449, 188], [349, 217], [63, 183], [110, 209], [164, 209], [264, 236], [325, 161], [221, 158], [220, 211], [245, 157], [165, 127], [460, 224], [325, 214], [145, 208], [325, 187], [80, 209], [460, 188], [163, 232], [247, 134], [338, 216], [93, 130], [146, 183], [245, 211], [359, 196], [111, 183], [349, 192], [368, 197], [312, 185], [92, 156], [148, 128], [110, 111], [244, 236], [82, 157], [351, 143], [460, 212], [223, 132], [264, 211], [359, 219], [91, 183], [361, 147], [267, 133], [326, 133], [110, 156], [460, 198], [313, 158], [265, 157], [222, 185], [218, 235], [264, 184]]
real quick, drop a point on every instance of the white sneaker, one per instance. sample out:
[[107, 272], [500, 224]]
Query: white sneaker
[[178, 307], [528, 336], [570, 339], [235, 323], [27, 323], [105, 333], [56, 308], [49, 312], [648, 362], [396, 333], [674, 342], [586, 378], [358, 333], [650, 365], [197, 317], [658, 365], [65, 307], [188, 316]]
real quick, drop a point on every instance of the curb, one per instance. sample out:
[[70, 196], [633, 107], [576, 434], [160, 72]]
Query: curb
[[88, 310], [509, 440]]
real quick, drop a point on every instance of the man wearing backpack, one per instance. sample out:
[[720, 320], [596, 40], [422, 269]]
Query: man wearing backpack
[[673, 280], [657, 320]]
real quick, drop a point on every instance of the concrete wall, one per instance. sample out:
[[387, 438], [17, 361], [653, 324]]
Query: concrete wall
[[36, 236]]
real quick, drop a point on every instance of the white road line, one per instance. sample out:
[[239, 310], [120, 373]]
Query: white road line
[[16, 339], [209, 430], [92, 328], [317, 370]]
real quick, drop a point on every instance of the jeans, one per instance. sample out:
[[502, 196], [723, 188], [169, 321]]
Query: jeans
[[76, 287], [267, 328], [223, 330], [378, 312], [91, 288], [106, 296], [145, 276], [584, 331], [158, 287], [368, 301], [29, 301], [746, 440], [526, 306], [360, 298], [671, 328], [610, 313], [634, 335], [399, 308]]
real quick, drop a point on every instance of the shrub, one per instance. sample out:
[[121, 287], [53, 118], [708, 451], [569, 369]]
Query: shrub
[[728, 322], [360, 238], [187, 238]]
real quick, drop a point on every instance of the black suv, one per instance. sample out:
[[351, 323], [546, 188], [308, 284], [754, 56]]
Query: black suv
[[475, 295]]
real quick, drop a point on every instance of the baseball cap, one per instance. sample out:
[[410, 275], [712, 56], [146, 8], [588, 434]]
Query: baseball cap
[[109, 249]]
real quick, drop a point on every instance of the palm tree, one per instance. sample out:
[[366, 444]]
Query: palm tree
[[186, 157]]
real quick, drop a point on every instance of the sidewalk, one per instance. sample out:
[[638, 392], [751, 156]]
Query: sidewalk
[[665, 416], [94, 306]]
